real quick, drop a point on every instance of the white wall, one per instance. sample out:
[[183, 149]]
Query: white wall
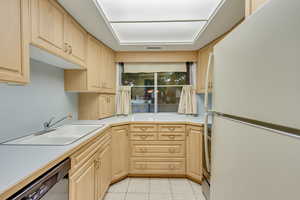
[[200, 103], [23, 109]]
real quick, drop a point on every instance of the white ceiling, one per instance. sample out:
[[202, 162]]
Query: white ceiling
[[125, 25]]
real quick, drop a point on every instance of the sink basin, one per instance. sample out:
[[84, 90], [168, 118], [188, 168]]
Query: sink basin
[[63, 135]]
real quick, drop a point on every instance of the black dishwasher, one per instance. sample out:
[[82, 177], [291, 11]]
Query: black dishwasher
[[52, 185]]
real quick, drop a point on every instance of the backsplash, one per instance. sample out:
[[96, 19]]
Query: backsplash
[[24, 109], [200, 103]]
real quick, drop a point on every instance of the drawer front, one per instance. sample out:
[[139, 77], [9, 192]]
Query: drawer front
[[158, 149], [120, 129], [157, 166], [171, 128], [83, 154], [180, 136], [143, 128], [143, 136]]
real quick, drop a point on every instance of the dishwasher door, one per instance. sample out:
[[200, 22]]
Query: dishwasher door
[[52, 185]]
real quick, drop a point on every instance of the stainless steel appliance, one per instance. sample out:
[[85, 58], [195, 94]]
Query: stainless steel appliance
[[53, 185]]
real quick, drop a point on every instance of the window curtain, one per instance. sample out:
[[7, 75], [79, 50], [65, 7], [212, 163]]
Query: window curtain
[[188, 103], [124, 100]]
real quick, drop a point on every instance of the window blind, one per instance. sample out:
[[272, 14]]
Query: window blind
[[154, 67]]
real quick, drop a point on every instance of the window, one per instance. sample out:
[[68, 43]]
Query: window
[[155, 91]]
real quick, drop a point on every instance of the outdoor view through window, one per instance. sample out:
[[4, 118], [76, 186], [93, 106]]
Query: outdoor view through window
[[155, 91]]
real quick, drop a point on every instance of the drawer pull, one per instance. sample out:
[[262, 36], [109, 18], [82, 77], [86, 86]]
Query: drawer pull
[[144, 128], [143, 150], [172, 150], [97, 163], [171, 166], [143, 136], [171, 129], [143, 166], [172, 137]]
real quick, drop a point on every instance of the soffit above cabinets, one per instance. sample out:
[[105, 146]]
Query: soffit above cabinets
[[135, 25], [157, 21]]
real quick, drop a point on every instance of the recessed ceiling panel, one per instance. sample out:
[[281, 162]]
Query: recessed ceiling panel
[[154, 10], [170, 32]]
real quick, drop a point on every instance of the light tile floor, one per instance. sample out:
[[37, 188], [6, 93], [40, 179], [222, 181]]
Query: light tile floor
[[155, 189]]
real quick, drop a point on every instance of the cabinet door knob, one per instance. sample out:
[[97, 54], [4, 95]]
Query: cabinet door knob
[[172, 150], [66, 47]]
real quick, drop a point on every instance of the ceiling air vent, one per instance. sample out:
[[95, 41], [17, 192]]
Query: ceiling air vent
[[153, 48]]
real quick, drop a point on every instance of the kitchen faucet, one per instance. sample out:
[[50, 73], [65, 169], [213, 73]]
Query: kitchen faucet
[[49, 124]]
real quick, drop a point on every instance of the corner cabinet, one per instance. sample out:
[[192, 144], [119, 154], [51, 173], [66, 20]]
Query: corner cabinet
[[120, 146], [55, 31], [94, 106], [194, 153], [14, 40]]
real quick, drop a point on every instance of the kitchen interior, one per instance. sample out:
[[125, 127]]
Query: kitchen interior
[[149, 100]]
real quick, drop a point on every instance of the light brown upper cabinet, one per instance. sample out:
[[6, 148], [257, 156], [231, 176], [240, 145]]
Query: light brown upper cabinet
[[75, 40], [202, 67], [253, 5], [14, 41], [194, 152], [106, 105], [108, 70], [93, 106], [100, 75], [54, 30]]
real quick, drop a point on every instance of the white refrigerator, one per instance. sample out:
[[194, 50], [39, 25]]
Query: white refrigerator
[[256, 107]]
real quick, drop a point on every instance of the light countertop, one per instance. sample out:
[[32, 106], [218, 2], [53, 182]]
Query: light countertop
[[20, 162]]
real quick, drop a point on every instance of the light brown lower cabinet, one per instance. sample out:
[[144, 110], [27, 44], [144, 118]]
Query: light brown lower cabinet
[[194, 152], [103, 171], [82, 183], [120, 147], [113, 155]]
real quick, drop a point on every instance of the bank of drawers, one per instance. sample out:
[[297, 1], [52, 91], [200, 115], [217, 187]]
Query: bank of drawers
[[157, 149]]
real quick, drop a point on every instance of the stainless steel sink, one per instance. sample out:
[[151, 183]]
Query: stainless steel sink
[[60, 136]]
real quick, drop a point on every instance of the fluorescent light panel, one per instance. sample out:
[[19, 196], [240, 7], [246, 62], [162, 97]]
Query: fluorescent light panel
[[153, 10], [157, 21], [172, 32]]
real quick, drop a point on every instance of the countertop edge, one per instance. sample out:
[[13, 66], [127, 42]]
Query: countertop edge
[[26, 180]]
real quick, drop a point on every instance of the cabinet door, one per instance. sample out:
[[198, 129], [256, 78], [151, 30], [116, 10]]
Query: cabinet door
[[202, 68], [103, 106], [82, 183], [252, 5], [112, 103], [75, 39], [93, 64], [48, 26], [120, 148], [194, 152], [103, 172], [110, 71], [14, 56]]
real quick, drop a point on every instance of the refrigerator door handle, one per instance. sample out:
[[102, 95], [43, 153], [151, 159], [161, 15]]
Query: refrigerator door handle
[[206, 152], [207, 112], [209, 68]]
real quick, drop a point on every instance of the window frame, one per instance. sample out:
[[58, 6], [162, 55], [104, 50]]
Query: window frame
[[156, 86]]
